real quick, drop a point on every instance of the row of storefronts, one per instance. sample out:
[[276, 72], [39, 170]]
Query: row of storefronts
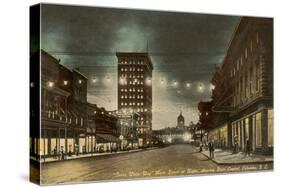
[[69, 125], [257, 127], [240, 114]]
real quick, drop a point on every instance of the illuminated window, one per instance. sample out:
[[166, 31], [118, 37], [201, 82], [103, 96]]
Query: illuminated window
[[251, 45], [258, 130], [246, 53], [81, 121], [270, 127]]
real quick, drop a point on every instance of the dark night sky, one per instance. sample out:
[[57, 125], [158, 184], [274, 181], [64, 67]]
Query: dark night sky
[[184, 48]]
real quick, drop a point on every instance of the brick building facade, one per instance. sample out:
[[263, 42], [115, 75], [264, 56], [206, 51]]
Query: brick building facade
[[242, 101]]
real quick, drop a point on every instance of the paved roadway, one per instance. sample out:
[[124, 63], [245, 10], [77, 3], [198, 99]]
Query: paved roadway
[[167, 161]]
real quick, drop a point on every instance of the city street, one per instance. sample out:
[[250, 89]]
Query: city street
[[167, 161]]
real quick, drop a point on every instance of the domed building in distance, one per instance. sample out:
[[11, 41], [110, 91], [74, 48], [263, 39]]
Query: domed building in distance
[[174, 135], [180, 121]]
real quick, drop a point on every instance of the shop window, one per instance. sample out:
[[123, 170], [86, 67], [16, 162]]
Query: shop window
[[43, 146], [258, 130], [247, 128], [54, 146], [70, 143], [62, 145], [270, 127]]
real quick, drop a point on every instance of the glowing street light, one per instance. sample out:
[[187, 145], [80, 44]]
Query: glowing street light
[[200, 87], [188, 85], [50, 84], [32, 84], [108, 78], [148, 81], [65, 82], [212, 87], [94, 80], [80, 81], [175, 83]]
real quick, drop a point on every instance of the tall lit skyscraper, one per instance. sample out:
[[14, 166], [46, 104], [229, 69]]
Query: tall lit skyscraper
[[135, 90]]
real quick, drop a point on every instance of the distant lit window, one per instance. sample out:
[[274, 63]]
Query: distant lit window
[[251, 45], [81, 121], [270, 127]]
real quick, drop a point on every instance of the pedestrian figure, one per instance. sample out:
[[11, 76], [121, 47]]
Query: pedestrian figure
[[55, 152], [61, 153], [200, 147], [248, 147], [235, 149], [211, 149]]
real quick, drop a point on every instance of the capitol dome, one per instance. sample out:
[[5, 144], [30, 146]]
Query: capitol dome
[[180, 120]]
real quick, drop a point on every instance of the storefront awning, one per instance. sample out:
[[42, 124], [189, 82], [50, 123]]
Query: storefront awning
[[106, 138]]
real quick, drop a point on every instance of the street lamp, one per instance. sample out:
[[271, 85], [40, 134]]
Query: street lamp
[[65, 82], [94, 80], [200, 87], [148, 81], [50, 84]]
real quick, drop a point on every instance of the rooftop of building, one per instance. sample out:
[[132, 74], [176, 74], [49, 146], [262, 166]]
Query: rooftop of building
[[135, 54]]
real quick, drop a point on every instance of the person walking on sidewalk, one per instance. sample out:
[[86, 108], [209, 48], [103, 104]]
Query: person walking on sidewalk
[[201, 147], [248, 147], [211, 149]]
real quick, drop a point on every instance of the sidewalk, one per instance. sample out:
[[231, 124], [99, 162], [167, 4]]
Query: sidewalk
[[225, 157], [52, 159]]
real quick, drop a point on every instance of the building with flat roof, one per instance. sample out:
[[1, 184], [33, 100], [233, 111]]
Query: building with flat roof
[[135, 90]]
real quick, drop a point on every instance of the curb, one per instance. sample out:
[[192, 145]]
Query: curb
[[236, 163], [95, 156]]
